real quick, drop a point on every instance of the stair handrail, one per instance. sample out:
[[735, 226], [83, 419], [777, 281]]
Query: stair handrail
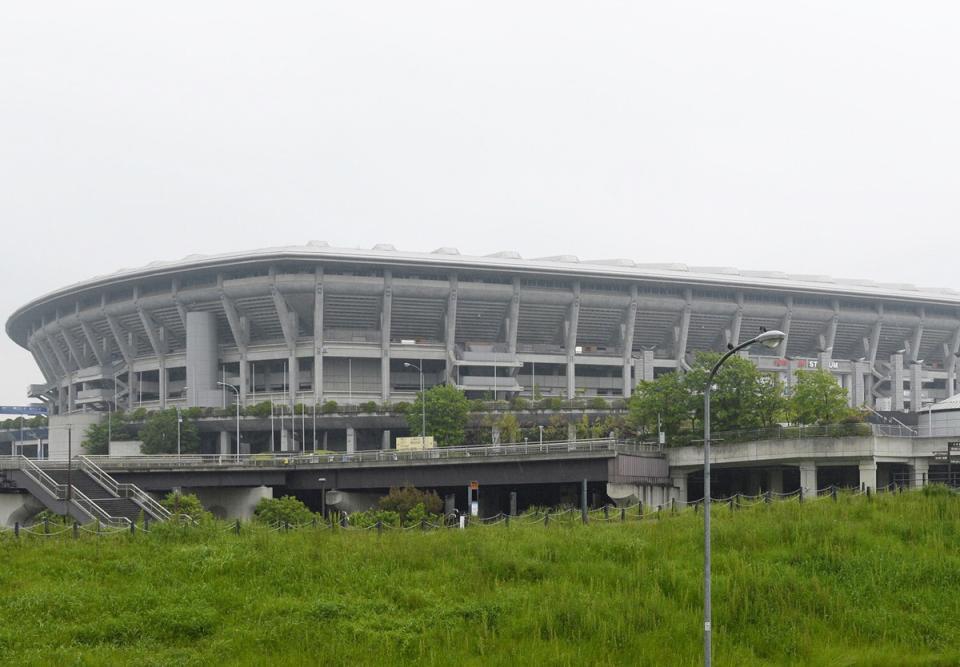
[[95, 511], [124, 490], [37, 474]]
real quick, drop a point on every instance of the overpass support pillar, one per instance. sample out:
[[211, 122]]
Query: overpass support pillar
[[921, 473], [231, 502], [385, 440], [775, 480], [868, 474], [225, 442], [680, 488], [495, 434], [351, 440], [286, 442], [17, 508], [572, 432], [808, 477]]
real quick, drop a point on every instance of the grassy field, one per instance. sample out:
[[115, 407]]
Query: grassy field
[[855, 582]]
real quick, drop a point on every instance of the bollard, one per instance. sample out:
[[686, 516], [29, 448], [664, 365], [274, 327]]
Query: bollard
[[767, 498], [286, 526], [737, 501], [46, 525], [546, 519], [98, 528], [606, 511], [696, 508], [833, 492], [314, 522], [640, 508], [133, 527], [423, 524], [146, 522], [659, 507], [623, 514], [236, 527], [16, 529], [730, 502], [868, 493], [583, 517], [673, 505], [506, 520], [379, 527], [801, 495], [76, 530]]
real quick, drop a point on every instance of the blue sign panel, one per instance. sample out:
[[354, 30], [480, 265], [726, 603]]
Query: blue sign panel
[[23, 410]]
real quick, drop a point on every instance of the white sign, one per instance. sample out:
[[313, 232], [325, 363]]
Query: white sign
[[474, 508]]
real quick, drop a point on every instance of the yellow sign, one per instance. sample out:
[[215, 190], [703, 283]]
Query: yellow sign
[[407, 444]]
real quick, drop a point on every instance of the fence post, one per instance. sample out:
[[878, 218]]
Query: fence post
[[146, 522], [236, 527], [16, 529], [659, 508], [767, 498], [801, 495], [46, 525], [314, 521], [730, 502], [868, 493], [623, 514], [673, 505], [98, 527], [506, 520], [76, 530], [546, 519], [833, 492], [423, 524], [640, 508], [606, 511], [133, 527]]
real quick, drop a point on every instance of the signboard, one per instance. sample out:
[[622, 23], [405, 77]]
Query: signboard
[[474, 508], [415, 443], [23, 410]]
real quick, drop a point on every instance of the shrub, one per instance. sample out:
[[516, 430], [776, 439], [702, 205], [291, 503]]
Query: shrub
[[286, 509], [551, 403], [402, 501], [401, 407], [262, 409], [519, 403], [185, 503], [371, 517], [478, 405], [369, 406], [598, 403], [329, 407]]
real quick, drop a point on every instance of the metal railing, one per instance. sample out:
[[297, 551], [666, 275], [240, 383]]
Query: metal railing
[[856, 429], [37, 474], [94, 511], [292, 459], [124, 490]]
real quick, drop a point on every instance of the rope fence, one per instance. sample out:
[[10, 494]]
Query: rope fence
[[608, 514]]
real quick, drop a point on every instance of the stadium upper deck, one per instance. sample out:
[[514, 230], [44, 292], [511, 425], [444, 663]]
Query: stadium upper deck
[[314, 323]]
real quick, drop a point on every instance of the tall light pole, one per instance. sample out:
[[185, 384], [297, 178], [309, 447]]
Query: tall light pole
[[423, 404], [771, 339], [179, 421], [236, 390]]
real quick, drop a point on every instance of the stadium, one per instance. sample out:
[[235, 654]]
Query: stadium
[[318, 326], [315, 323]]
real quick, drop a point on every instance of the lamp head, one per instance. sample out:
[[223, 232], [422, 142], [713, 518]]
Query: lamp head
[[771, 338]]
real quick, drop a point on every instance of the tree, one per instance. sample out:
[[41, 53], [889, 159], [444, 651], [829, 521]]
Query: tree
[[97, 436], [447, 409], [185, 503], [666, 399], [159, 434], [742, 396], [818, 399], [509, 428]]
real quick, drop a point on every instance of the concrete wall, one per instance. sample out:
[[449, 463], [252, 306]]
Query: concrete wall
[[72, 426], [231, 502], [17, 508], [126, 448]]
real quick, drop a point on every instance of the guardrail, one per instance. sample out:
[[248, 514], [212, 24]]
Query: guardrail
[[123, 490], [292, 459], [855, 429], [36, 473], [94, 511]]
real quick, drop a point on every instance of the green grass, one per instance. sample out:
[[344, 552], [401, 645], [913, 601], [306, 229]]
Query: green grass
[[855, 582]]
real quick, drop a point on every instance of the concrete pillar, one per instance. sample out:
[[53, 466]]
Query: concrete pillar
[[133, 389], [286, 442], [385, 440], [318, 337], [351, 440], [808, 477], [680, 488], [572, 432], [858, 389], [226, 442], [162, 383], [495, 434], [326, 448], [386, 319], [450, 330], [18, 508], [896, 382], [202, 390], [231, 502], [916, 387], [648, 364], [775, 480], [293, 378], [868, 474], [921, 472]]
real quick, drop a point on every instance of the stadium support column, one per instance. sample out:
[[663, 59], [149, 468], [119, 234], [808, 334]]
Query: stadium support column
[[158, 343], [451, 330], [318, 337], [288, 322], [950, 353], [126, 351], [916, 386], [514, 319], [868, 474], [808, 477], [241, 337], [386, 317], [629, 325], [921, 472], [858, 387], [785, 327], [648, 369], [573, 318], [896, 382], [201, 360], [681, 333]]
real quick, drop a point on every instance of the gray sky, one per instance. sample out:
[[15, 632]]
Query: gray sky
[[813, 138]]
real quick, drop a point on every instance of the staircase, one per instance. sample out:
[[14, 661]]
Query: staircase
[[112, 506]]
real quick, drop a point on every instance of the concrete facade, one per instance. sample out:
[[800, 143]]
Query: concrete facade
[[310, 324]]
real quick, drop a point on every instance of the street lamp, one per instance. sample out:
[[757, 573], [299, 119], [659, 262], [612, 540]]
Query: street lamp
[[323, 496], [236, 390], [423, 405], [771, 339]]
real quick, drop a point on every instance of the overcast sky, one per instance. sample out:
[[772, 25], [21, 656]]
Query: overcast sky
[[816, 137]]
